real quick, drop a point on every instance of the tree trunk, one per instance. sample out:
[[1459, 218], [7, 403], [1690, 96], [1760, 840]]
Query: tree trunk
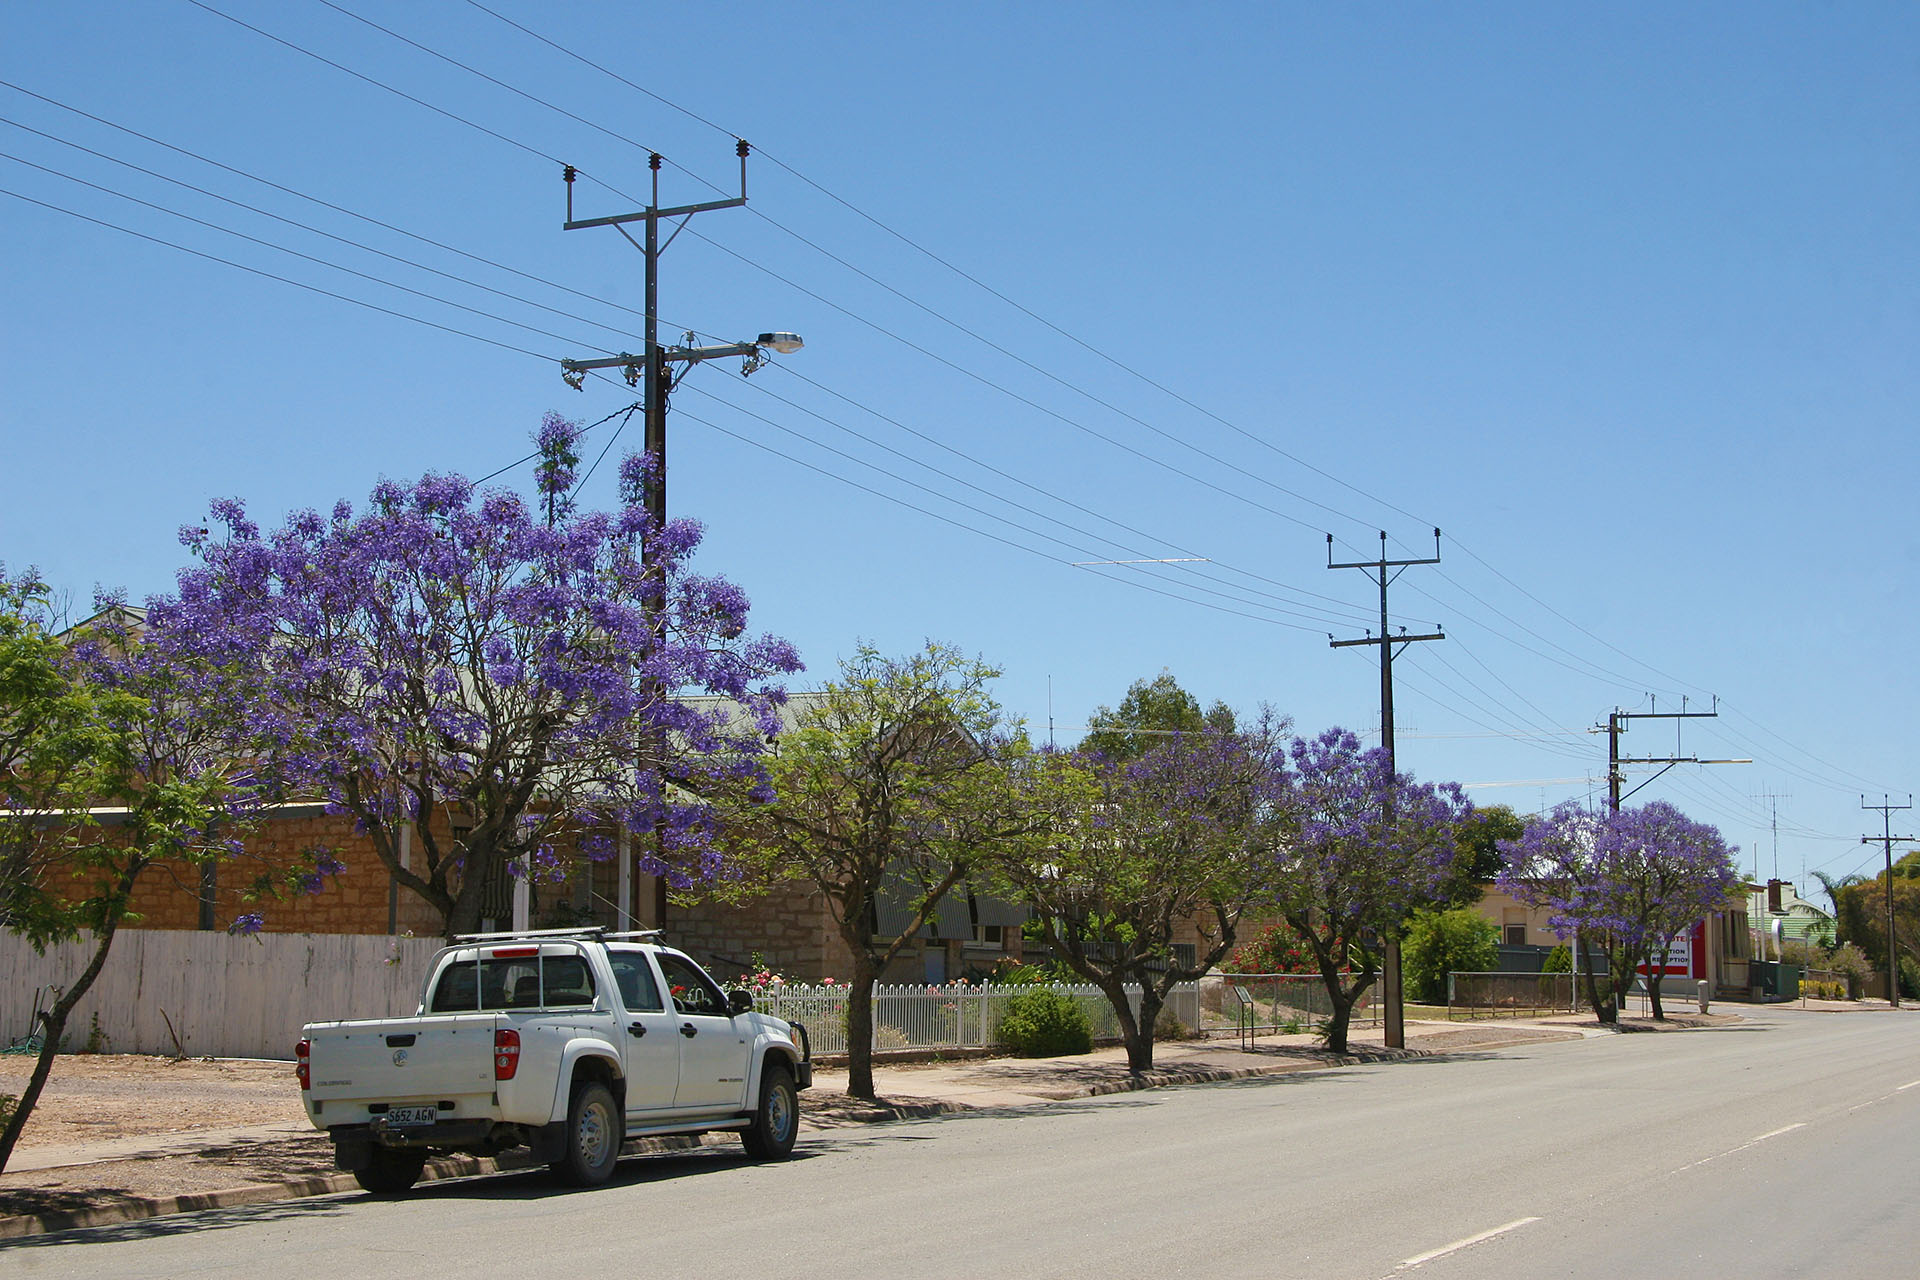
[[55, 1023], [1605, 1011], [1140, 1045], [860, 1028], [1340, 1019], [1623, 966]]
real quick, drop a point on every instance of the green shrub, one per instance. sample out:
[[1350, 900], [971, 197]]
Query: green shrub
[[1851, 962], [1442, 942], [1043, 1023], [1909, 977], [1559, 960]]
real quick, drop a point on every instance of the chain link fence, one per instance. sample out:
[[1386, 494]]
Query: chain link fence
[[1515, 995], [1283, 1003]]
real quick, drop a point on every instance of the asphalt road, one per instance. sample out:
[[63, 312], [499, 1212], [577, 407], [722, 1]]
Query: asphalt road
[[1782, 1147]]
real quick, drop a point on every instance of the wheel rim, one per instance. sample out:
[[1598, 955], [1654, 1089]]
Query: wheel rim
[[780, 1112], [595, 1134]]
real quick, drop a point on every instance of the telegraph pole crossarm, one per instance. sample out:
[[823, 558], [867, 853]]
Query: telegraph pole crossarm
[[1618, 722], [1390, 984]]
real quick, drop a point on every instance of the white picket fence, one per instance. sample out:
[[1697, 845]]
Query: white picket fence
[[226, 997], [248, 997], [948, 1016]]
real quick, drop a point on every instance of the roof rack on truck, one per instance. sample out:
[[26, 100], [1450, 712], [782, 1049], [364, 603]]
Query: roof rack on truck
[[584, 931]]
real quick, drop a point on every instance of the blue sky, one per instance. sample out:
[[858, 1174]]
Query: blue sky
[[1623, 298]]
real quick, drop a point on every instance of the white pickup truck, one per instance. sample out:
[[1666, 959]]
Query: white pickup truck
[[565, 1041]]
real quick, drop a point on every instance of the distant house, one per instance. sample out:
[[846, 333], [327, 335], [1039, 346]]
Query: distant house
[[1779, 912], [1717, 949]]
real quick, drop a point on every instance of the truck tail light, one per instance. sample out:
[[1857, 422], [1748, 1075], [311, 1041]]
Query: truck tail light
[[303, 1064], [506, 1054]]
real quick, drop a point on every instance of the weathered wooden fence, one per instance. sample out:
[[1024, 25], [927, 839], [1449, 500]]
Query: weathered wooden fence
[[229, 997]]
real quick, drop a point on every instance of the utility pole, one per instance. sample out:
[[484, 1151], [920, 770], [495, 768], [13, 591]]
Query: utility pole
[[1887, 840], [1618, 722], [1391, 994], [1773, 800], [653, 369]]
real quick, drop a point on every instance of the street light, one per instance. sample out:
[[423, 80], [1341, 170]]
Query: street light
[[653, 366]]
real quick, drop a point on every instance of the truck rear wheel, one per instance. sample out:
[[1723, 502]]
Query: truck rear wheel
[[390, 1171], [594, 1133], [777, 1121]]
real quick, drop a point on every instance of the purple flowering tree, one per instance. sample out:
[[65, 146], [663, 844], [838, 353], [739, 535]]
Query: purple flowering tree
[[119, 760], [495, 676], [1685, 871], [1627, 884], [1174, 838], [1367, 848]]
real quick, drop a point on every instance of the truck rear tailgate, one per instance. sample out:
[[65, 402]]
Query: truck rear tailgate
[[403, 1060]]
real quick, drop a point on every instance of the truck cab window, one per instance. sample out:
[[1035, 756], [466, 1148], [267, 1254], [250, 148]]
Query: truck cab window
[[693, 990], [639, 993]]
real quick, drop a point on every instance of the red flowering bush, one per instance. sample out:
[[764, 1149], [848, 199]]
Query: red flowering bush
[[1275, 949]]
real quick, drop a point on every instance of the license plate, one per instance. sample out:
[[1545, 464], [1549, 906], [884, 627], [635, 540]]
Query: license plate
[[407, 1117]]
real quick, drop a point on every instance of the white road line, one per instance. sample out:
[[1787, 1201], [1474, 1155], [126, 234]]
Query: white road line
[[1751, 1142], [1874, 1102], [1445, 1249]]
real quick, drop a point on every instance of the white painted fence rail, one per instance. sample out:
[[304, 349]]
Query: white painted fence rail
[[227, 997], [948, 1016]]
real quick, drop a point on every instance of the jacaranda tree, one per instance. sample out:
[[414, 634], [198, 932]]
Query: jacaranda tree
[[1174, 838], [1682, 871], [1367, 848], [496, 676], [1626, 884]]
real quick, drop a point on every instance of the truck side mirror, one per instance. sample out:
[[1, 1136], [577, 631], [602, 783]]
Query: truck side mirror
[[739, 1000]]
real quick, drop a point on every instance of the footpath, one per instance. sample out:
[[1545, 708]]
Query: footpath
[[121, 1179]]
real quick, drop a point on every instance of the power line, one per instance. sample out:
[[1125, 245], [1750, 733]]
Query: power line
[[316, 200], [305, 257], [1167, 435], [956, 270], [446, 275], [1004, 298], [268, 275]]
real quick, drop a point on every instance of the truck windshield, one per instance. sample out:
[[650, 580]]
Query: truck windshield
[[529, 982]]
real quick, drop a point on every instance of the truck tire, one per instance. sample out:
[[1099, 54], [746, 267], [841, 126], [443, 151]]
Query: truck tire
[[390, 1171], [594, 1133], [776, 1122]]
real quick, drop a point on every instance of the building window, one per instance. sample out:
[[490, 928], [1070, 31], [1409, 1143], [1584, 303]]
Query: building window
[[1516, 935]]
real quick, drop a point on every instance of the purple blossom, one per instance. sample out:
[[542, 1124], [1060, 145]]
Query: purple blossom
[[1626, 883], [465, 653]]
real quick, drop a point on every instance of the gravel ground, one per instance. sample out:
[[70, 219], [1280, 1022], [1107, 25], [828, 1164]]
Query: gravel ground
[[90, 1097]]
